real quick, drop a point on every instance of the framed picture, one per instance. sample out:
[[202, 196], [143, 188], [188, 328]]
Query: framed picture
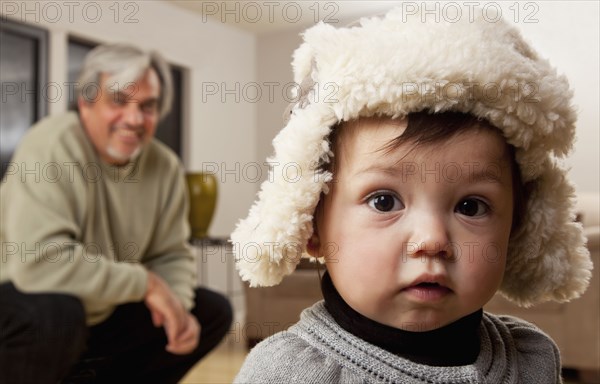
[[23, 76]]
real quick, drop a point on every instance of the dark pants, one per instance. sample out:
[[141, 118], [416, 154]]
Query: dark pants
[[44, 339]]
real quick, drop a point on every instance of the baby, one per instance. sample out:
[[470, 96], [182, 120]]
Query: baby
[[424, 193]]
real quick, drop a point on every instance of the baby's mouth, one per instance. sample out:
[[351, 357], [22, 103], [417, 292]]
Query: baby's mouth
[[427, 291], [428, 285]]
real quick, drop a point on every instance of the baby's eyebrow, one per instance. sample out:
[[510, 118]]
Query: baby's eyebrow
[[498, 171], [485, 176], [492, 173], [394, 170]]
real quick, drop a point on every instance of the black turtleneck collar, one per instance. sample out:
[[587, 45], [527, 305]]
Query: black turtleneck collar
[[452, 345]]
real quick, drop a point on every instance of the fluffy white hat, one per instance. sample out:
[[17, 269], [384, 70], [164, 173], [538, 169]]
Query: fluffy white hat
[[390, 66]]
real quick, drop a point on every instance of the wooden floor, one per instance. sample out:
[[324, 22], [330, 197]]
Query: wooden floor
[[220, 366]]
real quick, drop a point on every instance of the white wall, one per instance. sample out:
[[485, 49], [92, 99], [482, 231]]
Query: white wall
[[274, 54], [215, 132], [565, 32]]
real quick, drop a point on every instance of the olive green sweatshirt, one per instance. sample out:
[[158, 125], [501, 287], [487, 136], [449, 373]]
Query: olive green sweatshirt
[[71, 223]]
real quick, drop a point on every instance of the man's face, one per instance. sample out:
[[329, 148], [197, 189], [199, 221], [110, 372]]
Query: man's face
[[420, 233], [120, 121]]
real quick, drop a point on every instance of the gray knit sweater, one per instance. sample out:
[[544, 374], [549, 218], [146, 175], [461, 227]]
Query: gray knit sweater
[[318, 350]]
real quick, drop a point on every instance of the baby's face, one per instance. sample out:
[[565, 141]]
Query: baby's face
[[420, 233]]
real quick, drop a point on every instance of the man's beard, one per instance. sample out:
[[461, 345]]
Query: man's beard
[[113, 153]]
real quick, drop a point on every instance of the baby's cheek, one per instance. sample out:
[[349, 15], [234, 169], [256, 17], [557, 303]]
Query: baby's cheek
[[482, 276]]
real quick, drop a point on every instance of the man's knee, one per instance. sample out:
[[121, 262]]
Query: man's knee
[[215, 315], [66, 324], [213, 310], [42, 324]]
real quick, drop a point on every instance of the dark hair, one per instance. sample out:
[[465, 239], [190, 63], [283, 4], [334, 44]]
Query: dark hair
[[427, 128]]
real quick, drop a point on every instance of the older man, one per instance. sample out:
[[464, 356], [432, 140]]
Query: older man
[[97, 277]]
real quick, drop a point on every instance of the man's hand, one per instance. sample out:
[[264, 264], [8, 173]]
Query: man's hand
[[182, 329], [188, 339]]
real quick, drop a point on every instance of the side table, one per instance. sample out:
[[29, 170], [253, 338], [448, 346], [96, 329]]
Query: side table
[[216, 270]]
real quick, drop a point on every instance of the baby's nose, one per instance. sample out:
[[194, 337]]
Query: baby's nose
[[429, 237]]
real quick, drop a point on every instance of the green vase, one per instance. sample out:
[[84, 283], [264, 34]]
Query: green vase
[[202, 190]]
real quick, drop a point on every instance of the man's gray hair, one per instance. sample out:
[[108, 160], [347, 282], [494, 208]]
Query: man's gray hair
[[124, 64]]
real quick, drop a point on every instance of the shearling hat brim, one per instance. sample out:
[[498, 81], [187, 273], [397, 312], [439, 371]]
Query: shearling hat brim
[[393, 67]]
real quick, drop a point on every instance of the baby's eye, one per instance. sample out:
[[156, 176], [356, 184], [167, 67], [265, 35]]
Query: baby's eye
[[385, 202], [472, 207]]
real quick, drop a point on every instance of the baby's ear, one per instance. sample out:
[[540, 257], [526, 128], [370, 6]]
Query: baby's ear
[[313, 244]]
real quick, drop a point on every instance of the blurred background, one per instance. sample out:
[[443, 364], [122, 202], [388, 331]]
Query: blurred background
[[231, 65]]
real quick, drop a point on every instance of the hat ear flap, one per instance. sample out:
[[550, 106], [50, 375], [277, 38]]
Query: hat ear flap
[[547, 257]]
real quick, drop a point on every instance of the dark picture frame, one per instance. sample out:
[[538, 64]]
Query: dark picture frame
[[24, 82]]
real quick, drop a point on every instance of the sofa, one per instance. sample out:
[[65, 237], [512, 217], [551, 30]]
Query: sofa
[[575, 326]]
